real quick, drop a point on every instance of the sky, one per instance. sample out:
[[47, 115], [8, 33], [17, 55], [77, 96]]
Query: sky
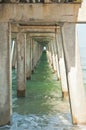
[[81, 28]]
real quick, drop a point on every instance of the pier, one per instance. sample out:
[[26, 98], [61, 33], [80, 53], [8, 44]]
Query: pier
[[25, 28]]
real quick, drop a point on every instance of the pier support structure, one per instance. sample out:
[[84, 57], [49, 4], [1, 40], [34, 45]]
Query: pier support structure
[[28, 57], [74, 74], [56, 59], [14, 57], [5, 73], [41, 15], [52, 49], [49, 54], [21, 64], [61, 61]]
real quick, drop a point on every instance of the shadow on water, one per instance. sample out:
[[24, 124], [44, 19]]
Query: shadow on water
[[43, 107]]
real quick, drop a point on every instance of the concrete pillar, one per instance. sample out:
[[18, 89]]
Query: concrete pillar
[[74, 74], [28, 57], [49, 54], [37, 53], [34, 54], [12, 49], [31, 54], [61, 64], [40, 50], [56, 59], [53, 56], [5, 73], [21, 59], [14, 58]]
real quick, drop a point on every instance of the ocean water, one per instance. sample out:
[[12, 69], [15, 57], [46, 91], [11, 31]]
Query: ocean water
[[83, 62], [43, 107]]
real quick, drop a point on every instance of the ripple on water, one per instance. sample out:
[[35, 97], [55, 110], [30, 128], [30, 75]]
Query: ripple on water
[[41, 122], [43, 107]]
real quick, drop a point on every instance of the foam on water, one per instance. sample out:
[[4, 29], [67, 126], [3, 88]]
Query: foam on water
[[41, 122]]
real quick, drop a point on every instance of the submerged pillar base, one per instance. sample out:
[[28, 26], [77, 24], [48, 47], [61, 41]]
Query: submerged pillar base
[[13, 67], [28, 78], [65, 95], [76, 121], [20, 93], [58, 78], [4, 123], [32, 71]]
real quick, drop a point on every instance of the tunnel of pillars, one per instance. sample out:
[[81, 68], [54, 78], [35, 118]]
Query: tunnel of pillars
[[34, 50]]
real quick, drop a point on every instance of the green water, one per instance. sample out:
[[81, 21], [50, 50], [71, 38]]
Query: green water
[[43, 107], [43, 92]]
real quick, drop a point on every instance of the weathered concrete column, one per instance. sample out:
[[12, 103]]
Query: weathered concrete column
[[12, 49], [56, 59], [61, 63], [32, 55], [14, 59], [40, 50], [53, 56], [28, 57], [74, 74], [21, 59], [5, 73], [35, 50], [49, 54], [36, 53]]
